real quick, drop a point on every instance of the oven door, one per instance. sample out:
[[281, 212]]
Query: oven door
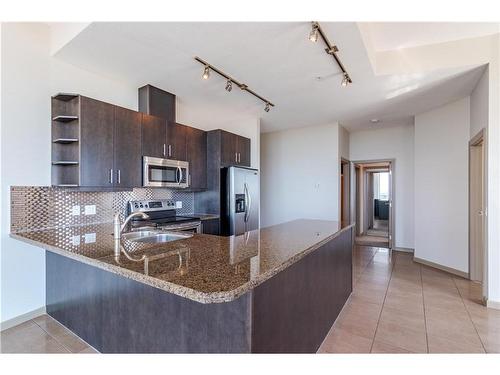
[[159, 172], [191, 227]]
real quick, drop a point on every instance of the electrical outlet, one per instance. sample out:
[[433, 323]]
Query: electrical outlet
[[89, 237], [75, 240], [75, 211], [90, 209], [178, 204]]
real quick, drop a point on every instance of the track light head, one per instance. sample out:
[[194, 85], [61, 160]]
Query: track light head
[[229, 85], [313, 35], [345, 80], [206, 72], [267, 107]]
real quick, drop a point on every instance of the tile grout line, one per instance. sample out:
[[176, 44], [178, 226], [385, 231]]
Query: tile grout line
[[55, 338], [423, 306], [468, 314], [383, 303]]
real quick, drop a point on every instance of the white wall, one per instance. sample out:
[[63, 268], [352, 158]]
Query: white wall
[[441, 185], [479, 105], [300, 174], [392, 143], [29, 77]]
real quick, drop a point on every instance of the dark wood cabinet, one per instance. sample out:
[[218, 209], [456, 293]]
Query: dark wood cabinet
[[196, 150], [176, 141], [157, 102], [243, 150], [235, 149], [96, 143], [229, 154], [211, 227], [127, 148], [154, 135]]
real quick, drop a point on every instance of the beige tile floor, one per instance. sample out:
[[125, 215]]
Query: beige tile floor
[[42, 335], [398, 306]]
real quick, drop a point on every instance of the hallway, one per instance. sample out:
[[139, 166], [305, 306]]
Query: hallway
[[399, 306]]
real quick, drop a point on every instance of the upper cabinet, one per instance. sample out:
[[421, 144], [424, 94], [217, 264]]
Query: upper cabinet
[[100, 147], [196, 149], [235, 149], [176, 141], [127, 148], [154, 136], [96, 143]]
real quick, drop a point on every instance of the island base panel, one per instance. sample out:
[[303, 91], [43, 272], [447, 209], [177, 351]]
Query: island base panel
[[118, 315], [293, 311]]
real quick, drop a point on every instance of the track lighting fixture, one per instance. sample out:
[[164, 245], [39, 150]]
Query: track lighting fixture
[[313, 35], [345, 80], [331, 50], [230, 81], [206, 72]]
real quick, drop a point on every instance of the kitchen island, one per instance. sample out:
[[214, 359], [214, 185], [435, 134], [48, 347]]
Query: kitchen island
[[276, 289]]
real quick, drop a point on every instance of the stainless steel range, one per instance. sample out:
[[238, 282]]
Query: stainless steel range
[[162, 215]]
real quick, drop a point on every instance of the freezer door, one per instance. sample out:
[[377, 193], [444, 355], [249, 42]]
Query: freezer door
[[251, 188]]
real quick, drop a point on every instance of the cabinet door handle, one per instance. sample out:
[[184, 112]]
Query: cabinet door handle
[[164, 149], [119, 176], [111, 176], [169, 150], [236, 157], [239, 157]]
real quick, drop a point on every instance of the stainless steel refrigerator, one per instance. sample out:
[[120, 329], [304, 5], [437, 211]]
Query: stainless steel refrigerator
[[240, 200]]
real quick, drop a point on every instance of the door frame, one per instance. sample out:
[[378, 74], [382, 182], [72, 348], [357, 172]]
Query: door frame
[[347, 189], [392, 195], [480, 137]]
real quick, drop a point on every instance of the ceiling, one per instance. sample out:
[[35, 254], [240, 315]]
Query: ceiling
[[396, 35], [274, 59]]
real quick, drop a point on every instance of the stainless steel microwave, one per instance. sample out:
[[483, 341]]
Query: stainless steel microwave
[[158, 172]]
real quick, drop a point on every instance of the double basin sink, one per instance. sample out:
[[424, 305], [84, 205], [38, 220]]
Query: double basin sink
[[155, 236]]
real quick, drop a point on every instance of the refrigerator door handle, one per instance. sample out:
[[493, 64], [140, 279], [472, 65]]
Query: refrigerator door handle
[[248, 203]]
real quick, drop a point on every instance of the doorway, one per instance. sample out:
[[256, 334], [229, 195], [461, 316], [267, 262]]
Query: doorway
[[477, 205], [373, 193]]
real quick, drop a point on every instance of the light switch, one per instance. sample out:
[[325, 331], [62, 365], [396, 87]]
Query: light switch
[[178, 204], [75, 210], [90, 209]]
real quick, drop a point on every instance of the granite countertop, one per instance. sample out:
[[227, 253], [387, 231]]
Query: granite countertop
[[203, 268]]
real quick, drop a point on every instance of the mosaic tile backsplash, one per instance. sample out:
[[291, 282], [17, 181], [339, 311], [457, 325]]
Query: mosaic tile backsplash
[[44, 207]]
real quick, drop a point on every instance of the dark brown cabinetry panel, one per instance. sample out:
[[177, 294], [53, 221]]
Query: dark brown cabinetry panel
[[196, 145], [235, 149], [157, 102], [229, 146], [243, 149], [211, 227], [127, 148], [154, 135], [176, 141], [96, 144]]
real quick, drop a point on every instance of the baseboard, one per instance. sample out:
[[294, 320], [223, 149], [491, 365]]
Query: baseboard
[[453, 271], [493, 304], [22, 318], [404, 249]]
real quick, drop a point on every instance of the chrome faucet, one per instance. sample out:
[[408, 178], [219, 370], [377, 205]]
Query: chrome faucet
[[118, 227]]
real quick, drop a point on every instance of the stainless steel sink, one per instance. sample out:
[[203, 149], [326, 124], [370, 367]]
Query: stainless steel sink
[[149, 236]]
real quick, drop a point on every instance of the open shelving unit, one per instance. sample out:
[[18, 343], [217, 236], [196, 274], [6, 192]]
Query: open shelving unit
[[65, 140]]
